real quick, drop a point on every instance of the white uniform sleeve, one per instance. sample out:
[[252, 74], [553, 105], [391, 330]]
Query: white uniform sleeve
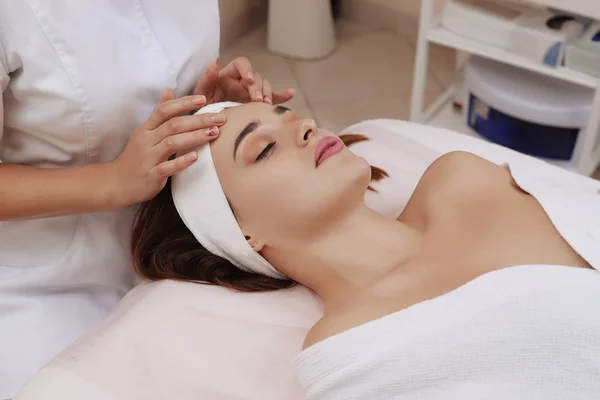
[[3, 85]]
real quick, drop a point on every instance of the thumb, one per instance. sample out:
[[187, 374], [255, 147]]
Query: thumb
[[208, 82]]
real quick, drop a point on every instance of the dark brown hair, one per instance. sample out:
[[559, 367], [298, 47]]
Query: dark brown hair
[[164, 248]]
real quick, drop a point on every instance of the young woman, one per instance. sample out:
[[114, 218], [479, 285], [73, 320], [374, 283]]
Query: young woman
[[484, 286]]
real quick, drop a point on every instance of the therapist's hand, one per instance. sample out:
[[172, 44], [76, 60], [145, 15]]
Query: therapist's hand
[[142, 169], [238, 82]]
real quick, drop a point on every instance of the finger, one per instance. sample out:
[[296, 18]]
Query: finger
[[167, 94], [171, 167], [283, 96], [188, 123], [255, 89], [208, 82], [172, 108], [184, 141], [240, 68], [267, 92]]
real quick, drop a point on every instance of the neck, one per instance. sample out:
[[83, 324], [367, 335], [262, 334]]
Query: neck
[[354, 253]]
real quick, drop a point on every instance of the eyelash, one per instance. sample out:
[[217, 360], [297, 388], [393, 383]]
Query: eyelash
[[266, 152]]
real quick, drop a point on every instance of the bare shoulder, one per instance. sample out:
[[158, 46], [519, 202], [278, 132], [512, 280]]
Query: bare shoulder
[[459, 182], [461, 172], [463, 163], [328, 326], [337, 322], [318, 333]]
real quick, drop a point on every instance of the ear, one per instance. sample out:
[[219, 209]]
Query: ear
[[256, 245]]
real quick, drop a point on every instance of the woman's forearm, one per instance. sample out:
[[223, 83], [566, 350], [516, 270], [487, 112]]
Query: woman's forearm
[[29, 192]]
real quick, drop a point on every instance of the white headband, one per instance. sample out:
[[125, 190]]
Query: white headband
[[203, 207]]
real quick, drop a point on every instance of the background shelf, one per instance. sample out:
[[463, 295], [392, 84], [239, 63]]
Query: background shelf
[[442, 114], [586, 8], [444, 37]]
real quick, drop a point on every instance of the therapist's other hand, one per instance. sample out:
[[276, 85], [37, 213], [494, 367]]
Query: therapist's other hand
[[142, 169], [238, 82]]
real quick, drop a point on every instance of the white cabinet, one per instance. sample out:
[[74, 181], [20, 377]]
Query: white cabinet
[[440, 113]]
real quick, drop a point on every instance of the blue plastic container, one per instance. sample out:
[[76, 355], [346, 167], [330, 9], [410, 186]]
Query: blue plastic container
[[525, 111], [526, 137]]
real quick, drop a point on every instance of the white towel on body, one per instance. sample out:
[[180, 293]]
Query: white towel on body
[[523, 332], [528, 332]]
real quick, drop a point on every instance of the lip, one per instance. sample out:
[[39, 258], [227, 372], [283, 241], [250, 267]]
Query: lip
[[325, 148]]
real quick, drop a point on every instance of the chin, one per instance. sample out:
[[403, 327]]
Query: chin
[[355, 175], [340, 188]]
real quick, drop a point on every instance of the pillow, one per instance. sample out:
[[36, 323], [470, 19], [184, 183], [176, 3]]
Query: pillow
[[184, 341], [179, 340]]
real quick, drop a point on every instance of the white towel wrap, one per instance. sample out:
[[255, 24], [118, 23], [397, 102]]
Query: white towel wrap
[[203, 207]]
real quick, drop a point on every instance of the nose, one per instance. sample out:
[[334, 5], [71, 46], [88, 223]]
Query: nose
[[307, 128]]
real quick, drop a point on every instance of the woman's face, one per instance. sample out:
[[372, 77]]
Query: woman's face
[[285, 178]]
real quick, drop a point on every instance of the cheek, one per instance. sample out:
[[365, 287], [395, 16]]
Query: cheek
[[273, 197], [293, 198], [274, 186]]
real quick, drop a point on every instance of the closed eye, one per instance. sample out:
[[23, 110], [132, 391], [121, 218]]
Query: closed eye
[[266, 152], [251, 127]]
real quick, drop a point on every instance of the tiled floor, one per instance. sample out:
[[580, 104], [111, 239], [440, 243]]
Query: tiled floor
[[368, 76]]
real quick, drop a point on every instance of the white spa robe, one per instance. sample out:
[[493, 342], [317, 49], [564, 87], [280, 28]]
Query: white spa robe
[[76, 78], [523, 332]]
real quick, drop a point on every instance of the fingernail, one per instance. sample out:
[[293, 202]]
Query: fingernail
[[191, 157], [212, 131], [199, 100], [258, 96], [268, 101], [250, 76], [218, 118]]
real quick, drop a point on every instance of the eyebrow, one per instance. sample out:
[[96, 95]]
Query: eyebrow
[[252, 126], [280, 110]]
